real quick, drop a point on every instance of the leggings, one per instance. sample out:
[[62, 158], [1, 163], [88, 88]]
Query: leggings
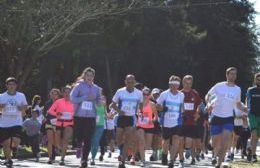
[[95, 141], [84, 129]]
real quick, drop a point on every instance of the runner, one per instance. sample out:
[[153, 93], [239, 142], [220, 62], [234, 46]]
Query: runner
[[12, 106], [253, 103], [157, 140], [222, 99], [145, 126], [85, 96], [49, 123], [129, 99], [170, 103], [190, 137], [63, 111], [36, 101], [100, 120]]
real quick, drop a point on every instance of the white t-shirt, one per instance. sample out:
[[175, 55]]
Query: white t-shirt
[[128, 102], [109, 124], [172, 117], [40, 118], [225, 99], [11, 116]]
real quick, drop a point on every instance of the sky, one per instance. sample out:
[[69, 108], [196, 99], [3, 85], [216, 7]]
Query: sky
[[257, 8]]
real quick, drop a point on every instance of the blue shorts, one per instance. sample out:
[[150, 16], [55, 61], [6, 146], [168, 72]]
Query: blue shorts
[[218, 125]]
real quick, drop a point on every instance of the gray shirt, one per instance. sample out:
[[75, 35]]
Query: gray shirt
[[84, 104], [31, 126]]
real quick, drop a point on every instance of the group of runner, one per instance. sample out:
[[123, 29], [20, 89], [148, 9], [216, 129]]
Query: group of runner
[[168, 122]]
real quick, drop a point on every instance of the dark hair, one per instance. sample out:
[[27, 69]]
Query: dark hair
[[35, 99], [230, 69], [10, 79], [85, 71], [66, 87], [36, 111]]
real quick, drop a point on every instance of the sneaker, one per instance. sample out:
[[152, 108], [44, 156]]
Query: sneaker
[[164, 159], [232, 156], [214, 161], [198, 158], [132, 161], [62, 163], [92, 163], [181, 164], [84, 164], [121, 165], [50, 162], [142, 164], [8, 163], [254, 159], [192, 162], [202, 156], [119, 158], [78, 152], [187, 153], [101, 158], [171, 164], [109, 155]]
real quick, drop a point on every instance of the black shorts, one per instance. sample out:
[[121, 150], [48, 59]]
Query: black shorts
[[83, 128], [167, 133], [157, 128], [190, 131], [238, 130], [125, 121], [6, 133], [147, 130]]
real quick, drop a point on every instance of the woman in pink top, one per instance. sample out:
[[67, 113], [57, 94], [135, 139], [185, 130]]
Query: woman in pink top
[[64, 112]]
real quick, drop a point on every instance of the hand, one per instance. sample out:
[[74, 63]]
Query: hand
[[21, 108], [91, 97], [209, 109], [196, 116]]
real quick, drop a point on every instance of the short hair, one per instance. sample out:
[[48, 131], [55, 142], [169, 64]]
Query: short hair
[[230, 69], [36, 111], [257, 75], [175, 78], [188, 77], [10, 79]]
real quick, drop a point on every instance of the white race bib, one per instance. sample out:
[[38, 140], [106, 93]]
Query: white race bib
[[230, 96], [172, 116], [189, 106], [144, 120], [66, 116], [10, 111], [173, 108], [128, 107], [238, 122], [53, 121], [97, 119], [87, 105]]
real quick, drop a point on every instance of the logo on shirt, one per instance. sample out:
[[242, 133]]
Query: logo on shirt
[[11, 102]]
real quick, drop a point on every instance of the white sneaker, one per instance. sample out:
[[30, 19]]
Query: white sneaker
[[142, 164]]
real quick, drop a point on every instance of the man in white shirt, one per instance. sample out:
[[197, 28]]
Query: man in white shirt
[[12, 106], [222, 99], [170, 104], [126, 102]]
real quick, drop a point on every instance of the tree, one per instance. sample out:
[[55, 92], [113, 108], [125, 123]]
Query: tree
[[29, 29]]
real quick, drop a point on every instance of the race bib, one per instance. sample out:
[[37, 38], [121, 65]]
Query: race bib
[[87, 105], [129, 107], [189, 106], [66, 116], [173, 116], [173, 108], [144, 120], [53, 121], [230, 96], [10, 111], [238, 122], [97, 119]]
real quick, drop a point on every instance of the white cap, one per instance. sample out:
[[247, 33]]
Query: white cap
[[155, 90]]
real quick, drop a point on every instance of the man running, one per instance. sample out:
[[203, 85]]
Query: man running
[[189, 131], [129, 99], [222, 99], [12, 106], [253, 103], [170, 103]]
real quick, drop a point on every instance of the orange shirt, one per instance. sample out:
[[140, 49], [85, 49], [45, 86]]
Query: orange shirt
[[146, 119], [64, 112]]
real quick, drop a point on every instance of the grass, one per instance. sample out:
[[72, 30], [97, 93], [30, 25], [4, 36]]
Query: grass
[[24, 151]]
